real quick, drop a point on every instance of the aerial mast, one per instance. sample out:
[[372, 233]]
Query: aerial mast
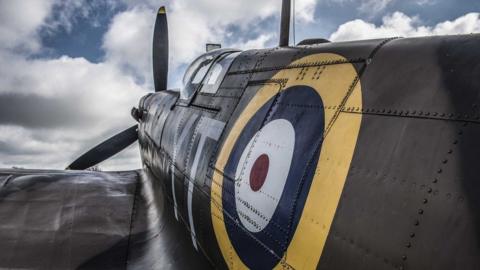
[[285, 23]]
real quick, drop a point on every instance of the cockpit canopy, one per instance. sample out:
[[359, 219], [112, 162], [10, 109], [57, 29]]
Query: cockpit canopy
[[206, 72]]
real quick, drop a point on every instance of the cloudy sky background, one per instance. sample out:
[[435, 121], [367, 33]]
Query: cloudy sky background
[[70, 70]]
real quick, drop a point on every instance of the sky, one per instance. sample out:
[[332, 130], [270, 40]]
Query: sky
[[71, 70]]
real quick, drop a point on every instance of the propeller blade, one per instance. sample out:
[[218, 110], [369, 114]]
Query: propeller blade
[[106, 149], [160, 51]]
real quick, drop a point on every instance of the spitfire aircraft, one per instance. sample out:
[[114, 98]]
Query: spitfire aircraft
[[345, 155]]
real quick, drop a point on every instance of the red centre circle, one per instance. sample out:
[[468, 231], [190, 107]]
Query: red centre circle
[[259, 171]]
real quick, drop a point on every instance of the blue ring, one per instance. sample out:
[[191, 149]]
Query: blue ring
[[303, 108]]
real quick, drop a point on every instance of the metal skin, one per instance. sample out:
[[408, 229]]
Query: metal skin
[[387, 179], [363, 155]]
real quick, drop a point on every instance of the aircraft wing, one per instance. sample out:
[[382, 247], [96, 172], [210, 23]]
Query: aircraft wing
[[90, 220]]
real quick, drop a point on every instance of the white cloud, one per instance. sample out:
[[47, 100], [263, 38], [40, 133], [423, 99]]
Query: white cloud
[[19, 22], [469, 23], [399, 24], [259, 42], [305, 10], [128, 44], [227, 12], [47, 149], [196, 22], [104, 92], [192, 24], [101, 94], [373, 7]]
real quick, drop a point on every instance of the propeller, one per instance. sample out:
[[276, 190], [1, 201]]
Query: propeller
[[160, 51], [106, 149], [122, 140]]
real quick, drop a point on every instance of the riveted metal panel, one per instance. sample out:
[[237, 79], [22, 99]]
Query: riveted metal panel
[[394, 164], [427, 78]]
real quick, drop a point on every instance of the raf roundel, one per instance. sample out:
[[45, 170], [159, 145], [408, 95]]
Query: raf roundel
[[278, 177], [270, 167]]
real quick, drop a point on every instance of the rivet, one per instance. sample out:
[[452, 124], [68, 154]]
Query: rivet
[[404, 257], [435, 114], [445, 161], [425, 201], [429, 190], [460, 132], [450, 151], [408, 245], [416, 223], [439, 171], [455, 142], [412, 235], [420, 211], [414, 112]]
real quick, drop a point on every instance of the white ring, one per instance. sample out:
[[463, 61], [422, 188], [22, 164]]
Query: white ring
[[256, 208]]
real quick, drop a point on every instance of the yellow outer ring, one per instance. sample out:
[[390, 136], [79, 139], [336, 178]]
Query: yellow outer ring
[[333, 85]]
